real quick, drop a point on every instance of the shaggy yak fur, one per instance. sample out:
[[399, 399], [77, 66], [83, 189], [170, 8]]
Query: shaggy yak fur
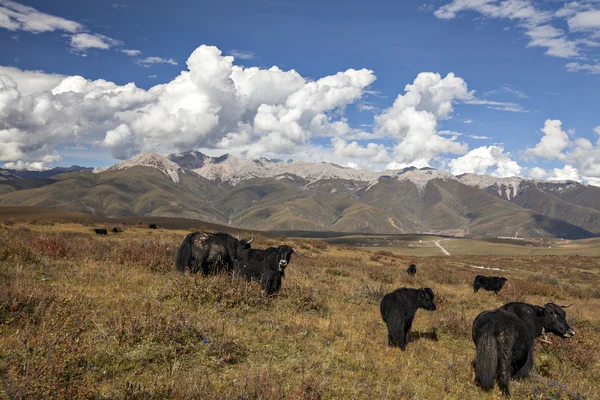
[[266, 266], [398, 311], [490, 283], [504, 340], [209, 252]]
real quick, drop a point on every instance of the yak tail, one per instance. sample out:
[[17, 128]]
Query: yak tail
[[486, 361], [184, 254]]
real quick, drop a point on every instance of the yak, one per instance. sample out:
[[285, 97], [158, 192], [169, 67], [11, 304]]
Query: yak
[[504, 340], [101, 231], [209, 252], [398, 310], [152, 226], [266, 266], [490, 283], [412, 269], [115, 230]]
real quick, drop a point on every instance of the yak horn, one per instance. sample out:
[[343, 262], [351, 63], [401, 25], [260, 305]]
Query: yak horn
[[251, 240], [567, 306], [238, 235]]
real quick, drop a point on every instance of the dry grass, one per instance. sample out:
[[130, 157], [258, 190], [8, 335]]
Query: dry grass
[[86, 316]]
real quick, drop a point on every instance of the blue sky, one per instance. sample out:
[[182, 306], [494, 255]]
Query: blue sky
[[516, 64]]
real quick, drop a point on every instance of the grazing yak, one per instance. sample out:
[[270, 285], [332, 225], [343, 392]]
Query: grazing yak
[[504, 340], [491, 283], [209, 252], [115, 230], [101, 231], [398, 311], [152, 226], [412, 269], [266, 266]]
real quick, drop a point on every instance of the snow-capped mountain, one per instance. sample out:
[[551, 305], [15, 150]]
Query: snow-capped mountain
[[233, 170], [268, 194], [151, 160]]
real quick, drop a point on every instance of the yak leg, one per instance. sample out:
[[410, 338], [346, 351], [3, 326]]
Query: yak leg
[[396, 335], [524, 371], [407, 328], [206, 268], [503, 373], [271, 282]]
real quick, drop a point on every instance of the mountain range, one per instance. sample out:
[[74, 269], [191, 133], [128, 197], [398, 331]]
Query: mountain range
[[290, 195]]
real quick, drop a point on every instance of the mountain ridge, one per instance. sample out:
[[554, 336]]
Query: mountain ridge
[[278, 195]]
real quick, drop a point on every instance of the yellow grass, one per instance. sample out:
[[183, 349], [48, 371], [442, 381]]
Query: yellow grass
[[87, 316]]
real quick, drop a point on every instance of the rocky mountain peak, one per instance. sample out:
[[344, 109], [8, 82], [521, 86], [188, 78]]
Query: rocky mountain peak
[[151, 160]]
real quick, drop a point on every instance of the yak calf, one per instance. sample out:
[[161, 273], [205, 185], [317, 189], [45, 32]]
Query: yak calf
[[398, 311], [504, 340], [490, 283], [412, 269]]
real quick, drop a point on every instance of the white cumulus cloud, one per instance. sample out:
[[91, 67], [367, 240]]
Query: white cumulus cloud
[[413, 118], [554, 141], [490, 160]]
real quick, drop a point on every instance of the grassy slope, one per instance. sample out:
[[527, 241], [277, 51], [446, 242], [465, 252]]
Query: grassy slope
[[87, 316], [136, 191], [549, 205], [584, 196]]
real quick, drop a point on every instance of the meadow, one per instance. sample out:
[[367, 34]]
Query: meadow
[[108, 317]]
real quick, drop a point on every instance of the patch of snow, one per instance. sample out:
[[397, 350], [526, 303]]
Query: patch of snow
[[234, 170], [151, 160], [420, 177], [510, 185], [489, 268]]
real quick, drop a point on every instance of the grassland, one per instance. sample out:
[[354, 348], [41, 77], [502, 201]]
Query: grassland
[[425, 245], [87, 316]]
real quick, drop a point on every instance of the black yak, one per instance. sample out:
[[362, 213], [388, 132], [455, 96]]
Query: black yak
[[491, 283], [152, 226], [504, 340], [266, 266], [398, 311], [115, 230], [209, 252], [412, 269], [101, 231]]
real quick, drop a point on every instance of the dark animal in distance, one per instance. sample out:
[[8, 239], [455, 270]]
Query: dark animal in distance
[[209, 252], [115, 230], [504, 340], [101, 231], [152, 226], [398, 311], [490, 283], [412, 269], [266, 266]]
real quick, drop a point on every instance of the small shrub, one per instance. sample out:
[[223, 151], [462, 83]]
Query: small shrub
[[224, 290], [456, 324], [306, 299], [227, 352], [337, 272]]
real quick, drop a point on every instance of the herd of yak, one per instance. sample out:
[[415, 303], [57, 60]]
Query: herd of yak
[[504, 337]]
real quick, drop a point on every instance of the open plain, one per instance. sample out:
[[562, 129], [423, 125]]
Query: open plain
[[90, 316]]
